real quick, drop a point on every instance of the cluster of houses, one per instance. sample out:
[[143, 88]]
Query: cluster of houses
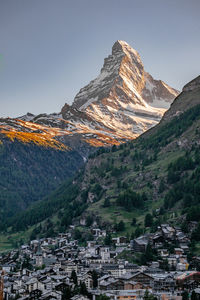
[[43, 269], [167, 235]]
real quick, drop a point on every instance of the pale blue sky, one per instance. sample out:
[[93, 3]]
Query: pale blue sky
[[49, 49]]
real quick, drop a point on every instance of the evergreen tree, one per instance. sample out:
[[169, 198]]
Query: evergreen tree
[[196, 234], [108, 240], [121, 226], [161, 186], [148, 220], [147, 256], [133, 223], [74, 277], [106, 203], [67, 294], [77, 234], [89, 221], [95, 279], [138, 231], [194, 296], [83, 289]]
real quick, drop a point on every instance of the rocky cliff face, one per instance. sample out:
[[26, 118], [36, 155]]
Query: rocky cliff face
[[188, 98], [124, 98], [157, 93]]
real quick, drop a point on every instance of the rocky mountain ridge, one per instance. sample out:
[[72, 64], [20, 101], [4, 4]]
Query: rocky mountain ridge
[[120, 104], [189, 97]]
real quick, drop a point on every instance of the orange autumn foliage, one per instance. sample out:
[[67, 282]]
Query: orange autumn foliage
[[36, 138]]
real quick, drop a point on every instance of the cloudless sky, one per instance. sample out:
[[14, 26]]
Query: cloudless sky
[[49, 49]]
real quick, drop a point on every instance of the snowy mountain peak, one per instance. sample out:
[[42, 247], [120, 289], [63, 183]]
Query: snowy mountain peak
[[124, 97], [122, 66], [125, 48]]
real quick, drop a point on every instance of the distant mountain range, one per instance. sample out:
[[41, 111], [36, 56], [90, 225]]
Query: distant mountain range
[[37, 152]]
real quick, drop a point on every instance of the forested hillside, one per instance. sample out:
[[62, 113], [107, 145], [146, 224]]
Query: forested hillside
[[135, 186], [28, 172]]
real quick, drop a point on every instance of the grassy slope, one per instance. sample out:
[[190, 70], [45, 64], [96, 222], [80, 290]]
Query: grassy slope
[[114, 213]]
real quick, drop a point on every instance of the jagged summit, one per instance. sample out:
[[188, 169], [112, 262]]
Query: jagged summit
[[124, 64], [124, 97], [122, 46]]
